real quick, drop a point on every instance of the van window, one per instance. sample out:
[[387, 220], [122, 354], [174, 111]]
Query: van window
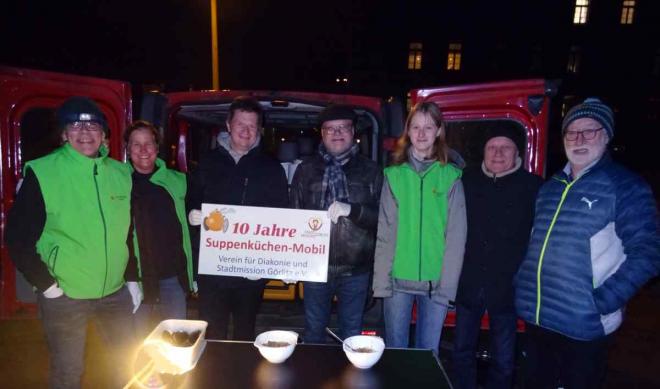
[[38, 134], [467, 137], [298, 126]]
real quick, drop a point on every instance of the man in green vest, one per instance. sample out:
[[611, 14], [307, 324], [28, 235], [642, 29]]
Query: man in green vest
[[67, 233]]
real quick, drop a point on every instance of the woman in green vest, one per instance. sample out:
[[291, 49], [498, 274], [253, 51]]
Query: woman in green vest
[[421, 232], [162, 241]]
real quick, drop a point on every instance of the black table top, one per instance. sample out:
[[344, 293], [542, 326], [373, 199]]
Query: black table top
[[229, 364]]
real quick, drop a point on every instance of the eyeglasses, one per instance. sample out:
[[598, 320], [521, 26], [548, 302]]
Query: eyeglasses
[[87, 126], [340, 129], [587, 134]]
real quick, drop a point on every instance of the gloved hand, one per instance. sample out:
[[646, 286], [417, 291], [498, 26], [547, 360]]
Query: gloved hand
[[288, 282], [136, 294], [338, 209], [53, 291], [195, 289], [253, 278], [195, 217]]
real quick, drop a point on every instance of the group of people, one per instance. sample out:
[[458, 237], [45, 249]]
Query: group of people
[[119, 242]]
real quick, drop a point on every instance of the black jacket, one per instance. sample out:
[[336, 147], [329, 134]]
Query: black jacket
[[500, 212], [353, 238], [256, 180]]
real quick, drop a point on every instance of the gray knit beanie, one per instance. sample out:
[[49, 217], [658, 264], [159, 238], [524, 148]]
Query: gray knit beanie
[[591, 108]]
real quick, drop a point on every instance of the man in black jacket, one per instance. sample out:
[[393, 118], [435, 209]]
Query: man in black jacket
[[499, 197], [347, 185], [236, 173]]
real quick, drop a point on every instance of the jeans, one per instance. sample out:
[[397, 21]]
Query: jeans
[[502, 345], [351, 292], [552, 357], [217, 304], [65, 324], [430, 319], [172, 305]]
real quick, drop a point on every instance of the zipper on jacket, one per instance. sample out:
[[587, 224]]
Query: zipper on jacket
[[105, 228], [545, 244], [245, 184], [421, 212]]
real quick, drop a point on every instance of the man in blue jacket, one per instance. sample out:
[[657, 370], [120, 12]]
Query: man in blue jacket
[[594, 244]]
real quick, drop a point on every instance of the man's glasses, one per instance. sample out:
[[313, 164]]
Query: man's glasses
[[340, 129], [87, 126], [587, 134]]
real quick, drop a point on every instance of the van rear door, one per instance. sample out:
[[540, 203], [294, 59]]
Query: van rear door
[[28, 131], [470, 109]]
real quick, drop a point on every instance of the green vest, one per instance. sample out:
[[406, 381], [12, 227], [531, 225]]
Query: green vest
[[422, 218], [87, 203], [175, 184]]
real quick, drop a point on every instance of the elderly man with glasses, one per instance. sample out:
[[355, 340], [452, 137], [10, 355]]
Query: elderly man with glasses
[[346, 184], [593, 245]]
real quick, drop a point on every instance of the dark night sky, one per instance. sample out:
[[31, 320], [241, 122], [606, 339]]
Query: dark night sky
[[305, 45], [263, 44]]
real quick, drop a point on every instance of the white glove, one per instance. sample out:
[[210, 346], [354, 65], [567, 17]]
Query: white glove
[[195, 289], [253, 278], [53, 291], [195, 217], [288, 282], [136, 294], [338, 209]]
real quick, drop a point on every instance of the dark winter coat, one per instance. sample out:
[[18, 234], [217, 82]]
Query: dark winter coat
[[594, 244], [256, 180], [500, 211], [353, 238]]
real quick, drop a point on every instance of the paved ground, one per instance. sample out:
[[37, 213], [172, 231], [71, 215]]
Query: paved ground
[[634, 360]]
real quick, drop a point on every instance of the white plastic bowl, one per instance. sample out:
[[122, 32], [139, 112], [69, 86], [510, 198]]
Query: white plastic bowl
[[364, 360], [172, 359], [276, 354]]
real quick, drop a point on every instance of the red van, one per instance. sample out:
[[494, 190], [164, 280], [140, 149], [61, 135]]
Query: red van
[[192, 121]]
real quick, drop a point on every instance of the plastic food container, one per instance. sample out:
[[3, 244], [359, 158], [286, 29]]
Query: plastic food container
[[364, 351], [169, 358], [276, 346]]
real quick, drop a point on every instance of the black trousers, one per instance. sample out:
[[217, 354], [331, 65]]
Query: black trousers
[[216, 305], [554, 359]]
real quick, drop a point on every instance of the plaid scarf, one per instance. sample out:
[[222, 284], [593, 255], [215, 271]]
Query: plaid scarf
[[335, 187]]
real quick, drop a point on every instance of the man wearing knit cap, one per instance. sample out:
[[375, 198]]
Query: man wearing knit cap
[[67, 233], [346, 184], [499, 199], [594, 244]]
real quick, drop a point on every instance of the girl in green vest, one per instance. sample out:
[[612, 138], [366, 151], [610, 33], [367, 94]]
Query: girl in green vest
[[421, 232]]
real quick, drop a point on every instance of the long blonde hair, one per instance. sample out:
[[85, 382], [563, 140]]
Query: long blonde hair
[[403, 144]]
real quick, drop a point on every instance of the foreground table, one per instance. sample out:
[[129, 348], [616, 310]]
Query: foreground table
[[228, 364]]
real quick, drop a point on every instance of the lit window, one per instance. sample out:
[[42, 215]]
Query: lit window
[[415, 56], [581, 9], [454, 56], [574, 58], [628, 11]]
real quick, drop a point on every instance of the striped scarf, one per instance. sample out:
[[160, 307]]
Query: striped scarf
[[335, 187]]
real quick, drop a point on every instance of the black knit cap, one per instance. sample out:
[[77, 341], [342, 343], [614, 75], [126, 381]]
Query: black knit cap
[[80, 109], [337, 112], [515, 134]]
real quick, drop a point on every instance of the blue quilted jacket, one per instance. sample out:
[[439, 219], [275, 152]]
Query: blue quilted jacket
[[594, 243]]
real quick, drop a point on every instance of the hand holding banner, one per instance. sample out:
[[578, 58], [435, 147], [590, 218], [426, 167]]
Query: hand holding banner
[[276, 243]]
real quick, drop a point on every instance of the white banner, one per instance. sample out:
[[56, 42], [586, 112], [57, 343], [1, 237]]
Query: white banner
[[257, 242]]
